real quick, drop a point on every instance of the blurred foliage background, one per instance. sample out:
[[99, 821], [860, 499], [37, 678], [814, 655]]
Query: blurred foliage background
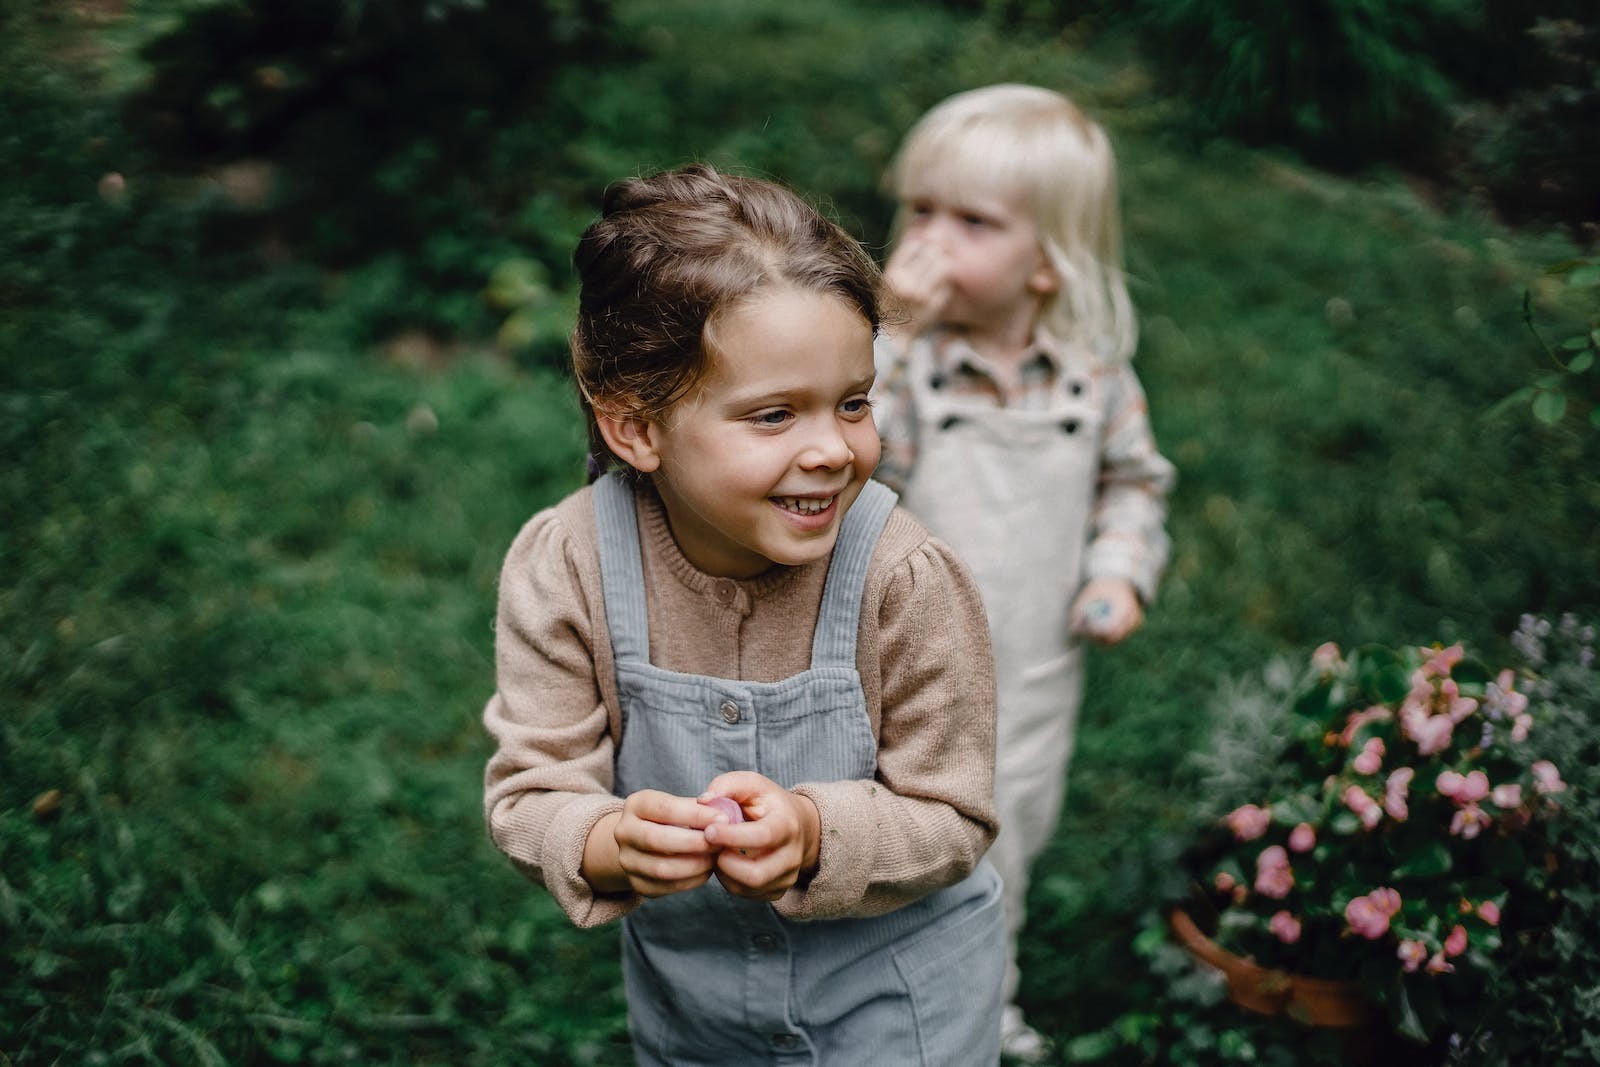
[[284, 288]]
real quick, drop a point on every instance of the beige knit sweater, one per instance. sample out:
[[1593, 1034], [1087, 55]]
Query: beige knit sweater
[[922, 652]]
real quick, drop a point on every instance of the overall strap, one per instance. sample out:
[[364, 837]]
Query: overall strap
[[621, 569], [834, 641]]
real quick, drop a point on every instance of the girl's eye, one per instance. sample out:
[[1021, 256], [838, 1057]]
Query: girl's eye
[[771, 418], [974, 220], [856, 405]]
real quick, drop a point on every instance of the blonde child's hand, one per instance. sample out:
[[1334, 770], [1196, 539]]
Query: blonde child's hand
[[1106, 611], [655, 847], [776, 843], [918, 276]]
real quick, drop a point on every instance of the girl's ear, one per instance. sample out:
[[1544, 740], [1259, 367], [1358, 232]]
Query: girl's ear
[[1044, 281], [634, 440]]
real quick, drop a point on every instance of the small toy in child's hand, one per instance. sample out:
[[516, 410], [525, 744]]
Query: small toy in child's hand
[[728, 806], [1096, 615]]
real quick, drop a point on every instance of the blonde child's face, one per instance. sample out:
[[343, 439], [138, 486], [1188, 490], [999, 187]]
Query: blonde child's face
[[759, 464], [995, 272]]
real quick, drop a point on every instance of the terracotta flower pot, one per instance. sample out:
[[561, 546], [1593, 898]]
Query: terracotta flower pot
[[1318, 1001]]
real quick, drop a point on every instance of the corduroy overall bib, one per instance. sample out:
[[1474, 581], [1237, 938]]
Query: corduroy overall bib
[[717, 979]]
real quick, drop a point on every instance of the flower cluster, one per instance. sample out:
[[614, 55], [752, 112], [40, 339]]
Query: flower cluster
[[1408, 821]]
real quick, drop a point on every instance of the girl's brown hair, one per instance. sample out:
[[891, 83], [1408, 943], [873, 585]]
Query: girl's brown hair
[[670, 252]]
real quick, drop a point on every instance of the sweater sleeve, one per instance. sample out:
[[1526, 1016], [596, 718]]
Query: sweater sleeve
[[928, 816], [1127, 532], [549, 780]]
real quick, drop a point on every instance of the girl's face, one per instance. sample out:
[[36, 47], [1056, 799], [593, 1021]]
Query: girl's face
[[760, 462], [995, 266]]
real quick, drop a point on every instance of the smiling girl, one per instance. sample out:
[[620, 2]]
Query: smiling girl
[[736, 611]]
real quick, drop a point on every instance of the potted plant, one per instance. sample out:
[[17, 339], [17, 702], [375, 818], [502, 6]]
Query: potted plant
[[1381, 875]]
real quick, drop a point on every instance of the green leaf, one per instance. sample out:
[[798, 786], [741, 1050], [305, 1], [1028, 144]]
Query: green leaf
[[1585, 275], [1091, 1047], [1575, 344], [1594, 417], [1471, 673], [1581, 362], [1548, 407], [1313, 704], [1344, 822], [1506, 857], [1429, 861], [1294, 810], [1403, 1013]]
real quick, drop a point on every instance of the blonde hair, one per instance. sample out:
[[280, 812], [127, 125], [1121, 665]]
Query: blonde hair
[[1035, 146], [667, 255]]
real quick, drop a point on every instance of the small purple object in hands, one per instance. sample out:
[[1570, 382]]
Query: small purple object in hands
[[728, 806]]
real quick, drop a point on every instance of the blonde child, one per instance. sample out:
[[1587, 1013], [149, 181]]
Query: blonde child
[[1015, 428], [738, 613]]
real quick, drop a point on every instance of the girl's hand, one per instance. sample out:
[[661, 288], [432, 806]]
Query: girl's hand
[[1107, 611], [655, 847], [918, 276], [766, 854]]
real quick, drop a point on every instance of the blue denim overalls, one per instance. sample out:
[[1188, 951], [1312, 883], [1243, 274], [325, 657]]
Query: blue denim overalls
[[718, 979]]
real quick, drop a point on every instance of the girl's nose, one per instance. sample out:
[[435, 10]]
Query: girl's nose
[[827, 449]]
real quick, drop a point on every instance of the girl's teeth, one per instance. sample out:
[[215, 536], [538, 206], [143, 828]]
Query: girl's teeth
[[805, 507]]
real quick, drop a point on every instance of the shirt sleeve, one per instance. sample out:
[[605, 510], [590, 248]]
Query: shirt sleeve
[[928, 816], [1127, 533], [894, 413], [549, 780]]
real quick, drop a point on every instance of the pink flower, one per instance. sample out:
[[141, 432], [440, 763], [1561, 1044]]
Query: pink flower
[[1366, 918], [1223, 881], [1520, 727], [1464, 788], [1468, 822], [1285, 926], [1456, 706], [1506, 796], [1546, 779], [1371, 758], [1439, 965], [1249, 822], [1440, 662], [1274, 878], [1325, 660], [1358, 719], [1456, 943], [1489, 912], [1501, 698], [1411, 954], [1430, 732], [111, 186], [1421, 694], [1356, 799], [1302, 838], [1386, 900], [1394, 793]]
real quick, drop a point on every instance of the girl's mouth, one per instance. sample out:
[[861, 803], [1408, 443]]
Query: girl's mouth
[[804, 505]]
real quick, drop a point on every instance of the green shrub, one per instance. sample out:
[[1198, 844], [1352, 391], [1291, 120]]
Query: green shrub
[[1343, 81]]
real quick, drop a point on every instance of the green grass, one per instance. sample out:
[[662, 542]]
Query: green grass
[[247, 571]]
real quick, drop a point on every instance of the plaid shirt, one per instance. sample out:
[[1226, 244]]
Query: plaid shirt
[[1127, 525]]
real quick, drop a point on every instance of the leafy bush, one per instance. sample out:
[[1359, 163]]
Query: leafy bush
[[1536, 965], [1533, 145], [1575, 377], [1413, 793], [373, 136], [1344, 81]]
